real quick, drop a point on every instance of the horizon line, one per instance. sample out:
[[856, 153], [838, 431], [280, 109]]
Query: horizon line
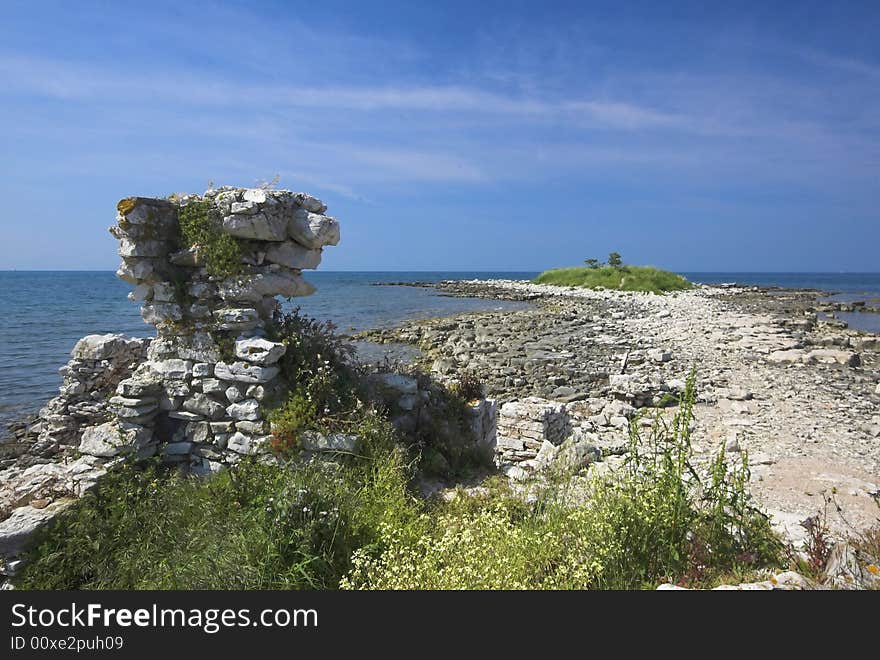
[[473, 270]]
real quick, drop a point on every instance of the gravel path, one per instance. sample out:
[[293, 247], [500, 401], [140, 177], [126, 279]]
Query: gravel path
[[801, 395]]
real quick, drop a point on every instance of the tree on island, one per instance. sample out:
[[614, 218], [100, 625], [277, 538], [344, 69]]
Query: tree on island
[[592, 263], [615, 260]]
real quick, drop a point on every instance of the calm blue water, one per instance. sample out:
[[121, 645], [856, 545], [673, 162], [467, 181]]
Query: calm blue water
[[42, 314]]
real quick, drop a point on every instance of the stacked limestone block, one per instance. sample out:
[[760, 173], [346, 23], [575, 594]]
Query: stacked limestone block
[[98, 363], [211, 366], [524, 426], [412, 404]]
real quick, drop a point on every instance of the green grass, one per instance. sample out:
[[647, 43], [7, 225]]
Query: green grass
[[624, 278], [653, 521], [259, 526], [200, 226], [354, 523]]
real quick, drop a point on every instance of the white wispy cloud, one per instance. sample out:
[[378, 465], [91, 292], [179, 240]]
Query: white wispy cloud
[[63, 81]]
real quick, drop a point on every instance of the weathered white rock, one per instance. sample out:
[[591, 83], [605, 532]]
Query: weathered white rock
[[732, 442], [256, 226], [293, 255], [312, 230], [143, 248], [163, 292], [244, 444], [308, 202], [659, 355], [185, 376], [158, 313], [249, 409], [202, 404], [244, 372], [830, 356], [257, 427], [257, 350], [577, 453], [144, 382], [18, 529], [620, 380], [788, 356], [140, 293], [174, 369], [234, 394], [253, 288], [213, 386], [199, 431], [222, 427], [847, 568], [98, 347], [235, 318], [111, 439]]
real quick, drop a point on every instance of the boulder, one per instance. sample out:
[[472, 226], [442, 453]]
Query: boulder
[[98, 347], [259, 351], [174, 369], [312, 230], [831, 356], [253, 288], [249, 409], [244, 372], [577, 453], [291, 254], [787, 357], [18, 529], [256, 226], [111, 439], [244, 444], [202, 404], [235, 318]]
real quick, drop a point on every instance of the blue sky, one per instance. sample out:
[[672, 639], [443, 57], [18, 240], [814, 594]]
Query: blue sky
[[472, 135]]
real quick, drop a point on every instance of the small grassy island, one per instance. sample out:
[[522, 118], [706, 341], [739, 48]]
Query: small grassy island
[[615, 275]]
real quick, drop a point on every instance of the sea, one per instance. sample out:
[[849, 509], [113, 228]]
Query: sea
[[44, 313]]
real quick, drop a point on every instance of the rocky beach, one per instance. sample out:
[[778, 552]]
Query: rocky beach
[[559, 385], [800, 394]]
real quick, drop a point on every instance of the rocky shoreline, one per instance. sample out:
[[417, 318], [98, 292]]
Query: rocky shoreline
[[800, 393], [564, 381]]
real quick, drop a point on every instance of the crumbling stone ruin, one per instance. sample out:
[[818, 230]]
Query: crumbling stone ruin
[[207, 270], [198, 397]]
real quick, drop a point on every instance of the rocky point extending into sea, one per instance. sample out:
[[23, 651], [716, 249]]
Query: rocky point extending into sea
[[800, 394], [563, 380]]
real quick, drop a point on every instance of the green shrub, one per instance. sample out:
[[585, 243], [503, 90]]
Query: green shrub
[[295, 415], [318, 362], [468, 387], [259, 526], [200, 226], [623, 278], [654, 520], [353, 521]]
